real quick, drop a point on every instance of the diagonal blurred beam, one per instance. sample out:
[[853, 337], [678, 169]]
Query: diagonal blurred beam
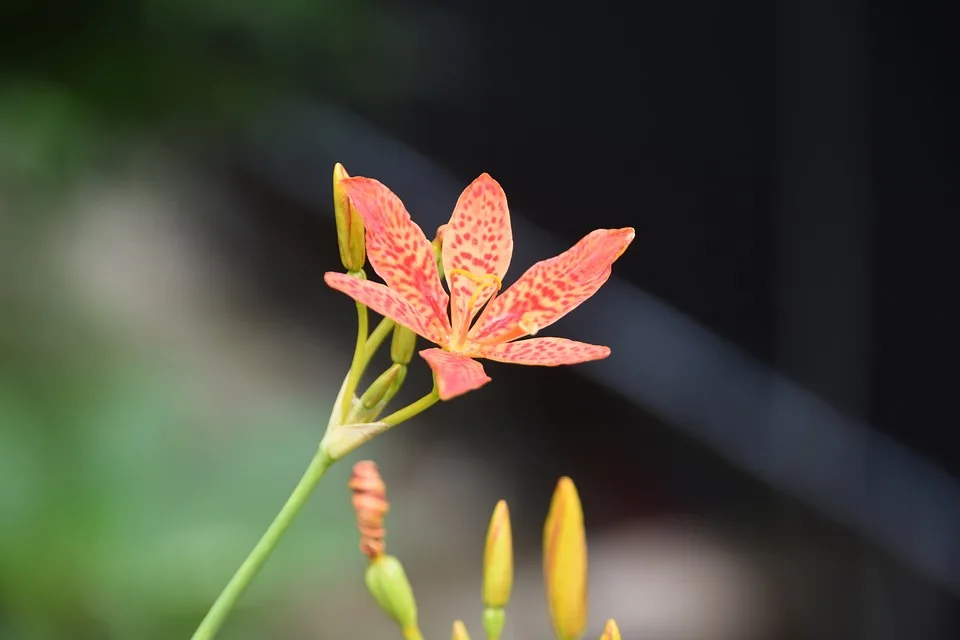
[[669, 364]]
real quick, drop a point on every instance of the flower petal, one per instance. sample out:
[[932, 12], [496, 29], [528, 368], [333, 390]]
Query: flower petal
[[478, 240], [456, 374], [399, 251], [547, 352], [551, 288], [386, 302]]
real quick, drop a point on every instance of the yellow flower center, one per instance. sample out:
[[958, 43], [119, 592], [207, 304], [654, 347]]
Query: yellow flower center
[[459, 337]]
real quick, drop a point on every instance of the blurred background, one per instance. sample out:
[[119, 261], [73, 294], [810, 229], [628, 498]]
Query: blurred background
[[769, 453]]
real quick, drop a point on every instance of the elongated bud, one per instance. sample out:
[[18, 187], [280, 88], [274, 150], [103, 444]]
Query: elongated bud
[[371, 506], [387, 583], [611, 631], [460, 631], [349, 225], [438, 248], [403, 344], [497, 571], [380, 392], [498, 559], [565, 562]]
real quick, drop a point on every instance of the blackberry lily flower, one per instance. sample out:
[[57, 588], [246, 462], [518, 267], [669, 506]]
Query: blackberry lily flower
[[477, 245]]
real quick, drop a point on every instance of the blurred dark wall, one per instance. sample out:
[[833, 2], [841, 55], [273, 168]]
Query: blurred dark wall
[[710, 127]]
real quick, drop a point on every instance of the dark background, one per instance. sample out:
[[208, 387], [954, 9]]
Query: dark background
[[790, 169]]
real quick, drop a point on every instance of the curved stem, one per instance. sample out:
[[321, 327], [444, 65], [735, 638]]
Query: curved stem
[[258, 556], [322, 460], [413, 409], [359, 360], [377, 336]]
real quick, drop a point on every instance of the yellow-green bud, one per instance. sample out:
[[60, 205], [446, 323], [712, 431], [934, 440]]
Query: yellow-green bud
[[498, 559], [403, 344], [611, 631], [438, 248], [387, 583], [565, 562], [349, 225], [493, 622], [380, 392], [459, 631]]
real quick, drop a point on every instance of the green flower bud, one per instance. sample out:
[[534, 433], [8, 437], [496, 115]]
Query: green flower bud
[[387, 583], [380, 392], [438, 248], [404, 342], [493, 622]]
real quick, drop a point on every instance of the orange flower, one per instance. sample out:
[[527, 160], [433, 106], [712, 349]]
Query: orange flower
[[477, 245]]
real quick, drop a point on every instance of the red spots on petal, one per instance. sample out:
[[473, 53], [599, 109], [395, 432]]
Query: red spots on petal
[[387, 303], [552, 288], [455, 374], [480, 218], [399, 252], [547, 352]]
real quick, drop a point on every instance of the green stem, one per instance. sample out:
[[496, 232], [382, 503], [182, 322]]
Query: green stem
[[376, 339], [366, 347], [409, 411], [258, 556], [359, 360]]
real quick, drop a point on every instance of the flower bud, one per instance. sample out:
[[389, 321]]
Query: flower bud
[[494, 619], [611, 631], [438, 248], [565, 562], [387, 583], [369, 497], [380, 392], [498, 559], [403, 344], [349, 225], [459, 631]]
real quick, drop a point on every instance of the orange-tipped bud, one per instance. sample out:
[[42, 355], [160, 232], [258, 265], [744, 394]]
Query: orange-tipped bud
[[371, 506], [611, 631], [350, 231], [498, 559], [460, 631], [565, 562]]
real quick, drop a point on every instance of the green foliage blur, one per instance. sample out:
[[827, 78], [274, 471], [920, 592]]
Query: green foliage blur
[[121, 513], [75, 76]]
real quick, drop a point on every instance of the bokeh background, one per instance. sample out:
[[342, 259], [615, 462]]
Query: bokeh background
[[769, 453]]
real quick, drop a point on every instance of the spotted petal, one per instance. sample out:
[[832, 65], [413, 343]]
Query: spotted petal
[[477, 247], [399, 251], [386, 302], [546, 352], [455, 374], [552, 288]]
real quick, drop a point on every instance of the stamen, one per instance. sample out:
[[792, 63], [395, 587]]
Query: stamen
[[480, 281]]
